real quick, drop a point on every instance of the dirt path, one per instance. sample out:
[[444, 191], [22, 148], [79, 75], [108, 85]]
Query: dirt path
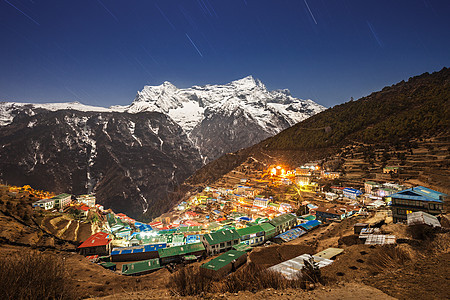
[[63, 230]]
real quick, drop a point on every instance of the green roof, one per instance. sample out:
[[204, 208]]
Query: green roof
[[370, 183], [242, 247], [308, 217], [277, 221], [213, 225], [180, 250], [107, 264], [249, 230], [269, 230], [60, 196], [222, 236], [141, 266], [223, 260], [190, 229], [190, 257]]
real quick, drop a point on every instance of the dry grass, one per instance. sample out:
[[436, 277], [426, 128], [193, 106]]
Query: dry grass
[[422, 232], [440, 244], [33, 275], [388, 257], [190, 281]]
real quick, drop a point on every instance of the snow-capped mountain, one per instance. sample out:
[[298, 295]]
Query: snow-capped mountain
[[225, 118], [133, 156], [187, 106]]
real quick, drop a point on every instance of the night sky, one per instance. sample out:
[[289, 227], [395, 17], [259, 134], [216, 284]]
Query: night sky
[[100, 52]]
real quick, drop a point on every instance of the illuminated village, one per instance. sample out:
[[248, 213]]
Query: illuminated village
[[245, 210]]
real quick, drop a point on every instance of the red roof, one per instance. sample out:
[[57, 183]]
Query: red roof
[[84, 207], [95, 240]]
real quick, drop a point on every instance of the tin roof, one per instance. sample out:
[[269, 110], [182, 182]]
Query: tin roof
[[140, 266], [329, 253], [420, 217], [222, 236], [97, 239], [138, 249], [291, 234], [292, 267], [420, 193], [223, 260], [310, 224], [269, 229], [282, 219], [180, 250], [249, 230]]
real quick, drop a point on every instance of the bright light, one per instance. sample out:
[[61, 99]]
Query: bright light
[[278, 167], [273, 171]]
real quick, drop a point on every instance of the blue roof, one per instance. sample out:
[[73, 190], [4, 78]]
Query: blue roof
[[420, 193], [291, 234], [261, 199], [310, 224], [353, 191]]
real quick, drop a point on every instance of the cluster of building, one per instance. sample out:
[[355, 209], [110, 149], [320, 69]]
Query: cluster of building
[[230, 221], [184, 244], [65, 202]]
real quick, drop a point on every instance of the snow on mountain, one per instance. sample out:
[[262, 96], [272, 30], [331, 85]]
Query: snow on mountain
[[8, 110], [216, 118], [187, 106]]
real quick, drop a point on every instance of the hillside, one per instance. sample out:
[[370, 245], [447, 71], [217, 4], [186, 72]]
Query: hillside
[[416, 109]]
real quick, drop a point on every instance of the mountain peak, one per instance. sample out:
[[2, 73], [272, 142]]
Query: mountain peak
[[247, 82]]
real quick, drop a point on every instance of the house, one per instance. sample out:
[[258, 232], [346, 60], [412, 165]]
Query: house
[[98, 243], [331, 196], [141, 267], [176, 253], [289, 235], [302, 180], [261, 202], [253, 235], [351, 193], [391, 170], [416, 199], [219, 241], [284, 222], [269, 230], [325, 214], [384, 191], [136, 253], [225, 263], [370, 186], [330, 175], [293, 267], [62, 200], [89, 200], [44, 203], [422, 218]]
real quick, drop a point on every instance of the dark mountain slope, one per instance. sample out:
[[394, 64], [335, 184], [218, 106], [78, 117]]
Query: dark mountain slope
[[131, 161], [418, 107]]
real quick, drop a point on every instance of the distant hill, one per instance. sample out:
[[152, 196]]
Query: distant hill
[[416, 108]]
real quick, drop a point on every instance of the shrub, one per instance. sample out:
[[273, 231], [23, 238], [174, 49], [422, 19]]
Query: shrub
[[422, 232], [33, 275], [387, 257], [190, 281]]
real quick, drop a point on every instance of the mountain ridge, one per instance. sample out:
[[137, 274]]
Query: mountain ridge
[[393, 115], [133, 157]]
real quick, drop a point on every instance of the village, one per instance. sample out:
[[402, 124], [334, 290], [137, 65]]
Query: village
[[245, 210]]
